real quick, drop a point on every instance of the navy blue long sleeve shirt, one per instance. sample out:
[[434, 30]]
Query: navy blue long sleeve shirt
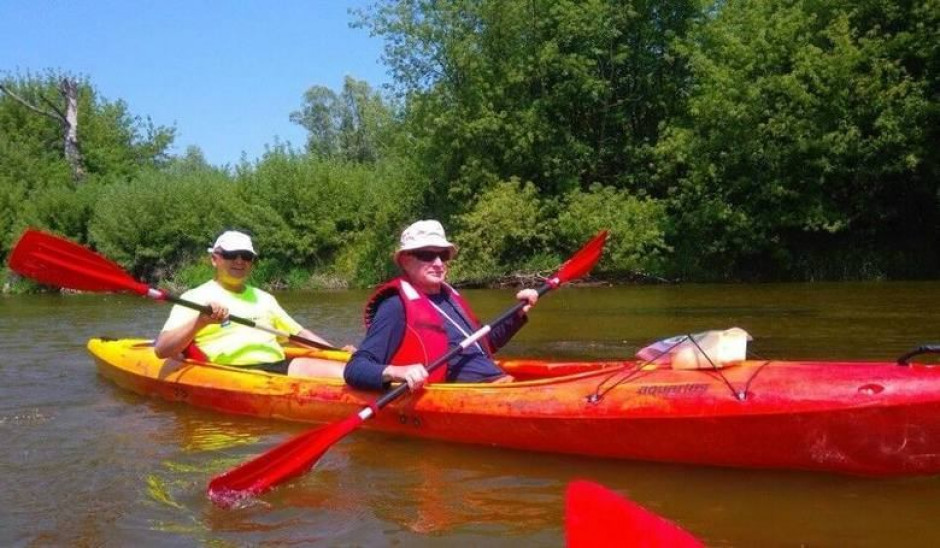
[[387, 331]]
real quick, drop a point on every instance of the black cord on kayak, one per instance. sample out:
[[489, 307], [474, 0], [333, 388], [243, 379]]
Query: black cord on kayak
[[923, 349], [596, 396], [740, 396], [600, 391]]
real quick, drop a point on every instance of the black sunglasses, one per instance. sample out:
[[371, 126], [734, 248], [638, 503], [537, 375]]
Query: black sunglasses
[[232, 255], [428, 256]]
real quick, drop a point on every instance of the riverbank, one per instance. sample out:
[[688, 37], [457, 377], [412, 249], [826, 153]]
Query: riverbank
[[14, 284]]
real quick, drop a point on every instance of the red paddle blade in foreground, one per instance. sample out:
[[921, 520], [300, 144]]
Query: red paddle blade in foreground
[[296, 456], [286, 461], [597, 516], [52, 260]]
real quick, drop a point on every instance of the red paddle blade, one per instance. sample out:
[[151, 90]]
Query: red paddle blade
[[53, 260], [596, 516], [280, 464], [582, 261]]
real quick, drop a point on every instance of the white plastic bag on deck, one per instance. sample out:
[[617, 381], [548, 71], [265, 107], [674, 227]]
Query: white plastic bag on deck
[[721, 348]]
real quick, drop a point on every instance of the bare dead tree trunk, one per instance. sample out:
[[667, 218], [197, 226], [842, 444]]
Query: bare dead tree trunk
[[69, 90], [68, 120]]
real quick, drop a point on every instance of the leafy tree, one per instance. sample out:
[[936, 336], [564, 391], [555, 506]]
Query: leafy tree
[[508, 228], [163, 219], [65, 113], [389, 198], [638, 228], [560, 93], [327, 212], [112, 140], [351, 126], [36, 182], [320, 117], [310, 204], [807, 133], [193, 159]]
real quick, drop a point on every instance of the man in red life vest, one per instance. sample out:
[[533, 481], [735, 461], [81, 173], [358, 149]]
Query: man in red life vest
[[417, 317]]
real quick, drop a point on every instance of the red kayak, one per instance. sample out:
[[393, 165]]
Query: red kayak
[[865, 418], [596, 516]]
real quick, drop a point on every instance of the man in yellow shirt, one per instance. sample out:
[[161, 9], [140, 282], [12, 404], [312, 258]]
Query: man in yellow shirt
[[228, 343]]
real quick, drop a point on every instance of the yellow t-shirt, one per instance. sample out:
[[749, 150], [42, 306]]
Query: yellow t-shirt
[[232, 343]]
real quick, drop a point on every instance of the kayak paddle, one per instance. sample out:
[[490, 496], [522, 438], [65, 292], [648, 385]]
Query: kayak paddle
[[53, 260], [597, 516], [299, 454]]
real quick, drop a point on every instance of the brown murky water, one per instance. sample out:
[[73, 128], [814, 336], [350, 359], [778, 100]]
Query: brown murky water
[[85, 463]]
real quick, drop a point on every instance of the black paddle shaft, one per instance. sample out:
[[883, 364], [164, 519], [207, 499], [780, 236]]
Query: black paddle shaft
[[207, 310]]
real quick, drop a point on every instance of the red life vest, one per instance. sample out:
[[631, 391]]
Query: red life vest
[[193, 352], [425, 336]]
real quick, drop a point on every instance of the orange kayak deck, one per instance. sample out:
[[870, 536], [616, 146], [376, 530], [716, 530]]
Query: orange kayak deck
[[863, 418]]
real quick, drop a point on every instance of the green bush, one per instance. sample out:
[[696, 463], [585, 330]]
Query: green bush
[[63, 210], [189, 275], [25, 174], [10, 282], [637, 228], [313, 198], [160, 221], [337, 219], [507, 229]]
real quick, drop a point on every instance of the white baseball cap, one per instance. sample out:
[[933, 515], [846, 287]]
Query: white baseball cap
[[423, 234], [233, 240]]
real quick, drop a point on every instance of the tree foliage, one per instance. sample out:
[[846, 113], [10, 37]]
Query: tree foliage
[[804, 132], [638, 228], [162, 219], [717, 140], [36, 186], [354, 126], [560, 93], [507, 228]]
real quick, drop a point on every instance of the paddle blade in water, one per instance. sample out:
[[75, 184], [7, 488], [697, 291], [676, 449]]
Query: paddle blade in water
[[280, 464], [596, 516], [581, 262], [52, 260]]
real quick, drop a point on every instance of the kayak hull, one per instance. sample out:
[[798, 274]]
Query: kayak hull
[[862, 418]]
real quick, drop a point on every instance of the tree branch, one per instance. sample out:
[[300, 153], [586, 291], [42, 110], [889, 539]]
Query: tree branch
[[57, 116], [61, 115]]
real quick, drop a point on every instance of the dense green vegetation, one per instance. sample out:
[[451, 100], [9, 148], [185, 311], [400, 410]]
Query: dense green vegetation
[[751, 140]]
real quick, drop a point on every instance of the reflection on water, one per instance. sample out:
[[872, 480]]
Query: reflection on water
[[24, 417], [200, 432], [87, 463]]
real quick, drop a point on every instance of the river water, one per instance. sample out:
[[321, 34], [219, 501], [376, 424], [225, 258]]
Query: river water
[[85, 463]]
